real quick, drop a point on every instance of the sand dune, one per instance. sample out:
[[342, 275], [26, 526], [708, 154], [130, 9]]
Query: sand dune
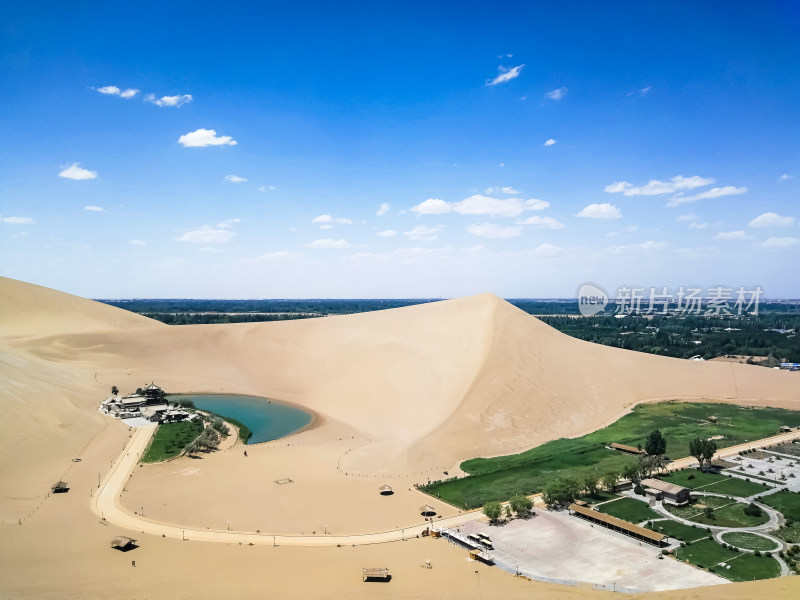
[[401, 395]]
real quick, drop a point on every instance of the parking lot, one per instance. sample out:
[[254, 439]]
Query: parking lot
[[772, 466], [556, 546]]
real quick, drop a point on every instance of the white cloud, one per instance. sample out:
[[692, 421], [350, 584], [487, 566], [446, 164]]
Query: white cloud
[[557, 94], [94, 208], [388, 233], [176, 101], [729, 236], [497, 207], [550, 142], [508, 190], [18, 220], [781, 242], [383, 209], [785, 177], [641, 92], [327, 220], [546, 250], [207, 235], [654, 187], [717, 192], [137, 243], [648, 246], [235, 179], [425, 233], [506, 75], [432, 206], [480, 205], [112, 90], [542, 222], [696, 225], [687, 217], [491, 230], [228, 223], [76, 172], [200, 138], [264, 188], [600, 211], [329, 243], [771, 219], [274, 255]]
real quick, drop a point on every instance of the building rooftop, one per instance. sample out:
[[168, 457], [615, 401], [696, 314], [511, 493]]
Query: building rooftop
[[663, 486]]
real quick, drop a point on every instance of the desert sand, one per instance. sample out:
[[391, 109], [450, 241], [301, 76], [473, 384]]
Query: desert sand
[[400, 397]]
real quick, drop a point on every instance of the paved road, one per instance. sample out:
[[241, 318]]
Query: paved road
[[106, 504]]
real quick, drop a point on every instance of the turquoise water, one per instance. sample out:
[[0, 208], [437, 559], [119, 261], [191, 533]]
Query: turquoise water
[[267, 420]]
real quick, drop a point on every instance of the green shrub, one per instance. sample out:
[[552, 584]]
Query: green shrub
[[758, 553]]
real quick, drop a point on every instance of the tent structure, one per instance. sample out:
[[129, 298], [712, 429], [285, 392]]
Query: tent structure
[[427, 510], [385, 490], [60, 487], [123, 543]]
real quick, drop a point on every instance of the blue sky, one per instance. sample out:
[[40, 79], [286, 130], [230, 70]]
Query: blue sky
[[240, 150]]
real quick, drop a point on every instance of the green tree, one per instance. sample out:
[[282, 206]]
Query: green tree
[[219, 426], [655, 444], [521, 505], [493, 510], [709, 449], [703, 450], [591, 483], [610, 480], [114, 390], [561, 492], [632, 471]]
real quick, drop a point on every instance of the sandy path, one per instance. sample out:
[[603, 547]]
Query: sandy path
[[105, 503]]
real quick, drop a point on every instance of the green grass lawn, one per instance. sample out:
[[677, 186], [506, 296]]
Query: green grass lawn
[[749, 541], [743, 567], [733, 486], [529, 472], [679, 531], [718, 484], [789, 533], [786, 502], [692, 478], [726, 513], [598, 496], [633, 511], [170, 440]]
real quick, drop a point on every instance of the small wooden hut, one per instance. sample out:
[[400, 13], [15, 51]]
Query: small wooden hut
[[60, 487], [373, 573], [385, 490], [123, 543]]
